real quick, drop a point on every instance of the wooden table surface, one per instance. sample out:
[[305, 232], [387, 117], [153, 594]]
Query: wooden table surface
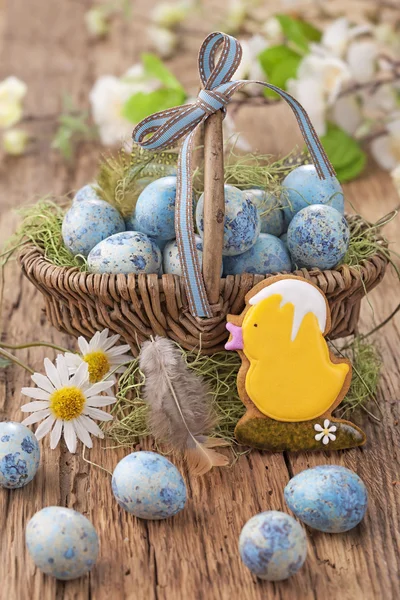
[[194, 555]]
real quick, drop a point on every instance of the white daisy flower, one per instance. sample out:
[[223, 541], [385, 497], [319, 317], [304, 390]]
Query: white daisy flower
[[67, 404], [326, 433], [100, 354]]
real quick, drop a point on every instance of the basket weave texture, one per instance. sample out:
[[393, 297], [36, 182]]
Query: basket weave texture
[[138, 306]]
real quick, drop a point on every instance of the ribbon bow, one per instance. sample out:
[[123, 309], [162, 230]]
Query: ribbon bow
[[168, 126]]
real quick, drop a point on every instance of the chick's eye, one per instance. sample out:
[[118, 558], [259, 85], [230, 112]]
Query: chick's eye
[[255, 325]]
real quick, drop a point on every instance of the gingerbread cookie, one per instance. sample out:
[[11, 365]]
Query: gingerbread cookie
[[289, 381]]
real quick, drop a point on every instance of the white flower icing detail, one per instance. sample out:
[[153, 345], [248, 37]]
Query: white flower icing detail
[[304, 296], [326, 433]]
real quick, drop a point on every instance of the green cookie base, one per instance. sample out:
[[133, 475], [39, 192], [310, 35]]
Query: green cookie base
[[278, 436]]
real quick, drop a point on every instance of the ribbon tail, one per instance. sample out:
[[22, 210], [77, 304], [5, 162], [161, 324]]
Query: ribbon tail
[[320, 159], [185, 237]]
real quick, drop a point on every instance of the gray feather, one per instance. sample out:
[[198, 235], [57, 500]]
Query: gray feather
[[180, 411]]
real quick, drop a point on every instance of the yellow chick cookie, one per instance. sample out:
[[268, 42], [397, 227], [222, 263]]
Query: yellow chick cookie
[[289, 380]]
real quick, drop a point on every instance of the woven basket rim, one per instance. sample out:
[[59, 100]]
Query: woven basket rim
[[358, 271]]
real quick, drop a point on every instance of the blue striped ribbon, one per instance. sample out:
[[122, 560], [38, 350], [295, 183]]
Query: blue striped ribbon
[[165, 128]]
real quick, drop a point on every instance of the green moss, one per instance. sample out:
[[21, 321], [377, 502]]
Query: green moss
[[41, 226], [220, 372]]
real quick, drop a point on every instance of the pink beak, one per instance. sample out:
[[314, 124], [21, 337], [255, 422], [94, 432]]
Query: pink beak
[[236, 343]]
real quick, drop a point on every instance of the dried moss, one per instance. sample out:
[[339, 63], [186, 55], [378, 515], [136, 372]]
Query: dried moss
[[41, 226], [220, 372]]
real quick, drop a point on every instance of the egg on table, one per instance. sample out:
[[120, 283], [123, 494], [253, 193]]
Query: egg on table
[[87, 192], [268, 255], [155, 209], [19, 455], [62, 542], [270, 211], [149, 486], [87, 223], [273, 545], [126, 252], [329, 498], [302, 187], [242, 221], [318, 236]]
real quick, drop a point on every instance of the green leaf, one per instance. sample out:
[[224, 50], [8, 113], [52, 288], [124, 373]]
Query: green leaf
[[141, 105], [279, 63], [344, 152], [4, 362], [154, 67], [299, 32]]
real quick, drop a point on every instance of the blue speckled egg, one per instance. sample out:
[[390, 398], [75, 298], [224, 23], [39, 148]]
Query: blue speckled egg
[[155, 209], [268, 255], [318, 236], [126, 252], [88, 192], [171, 262], [303, 187], [270, 211], [242, 221], [329, 498], [19, 455], [62, 542], [87, 223], [149, 486], [283, 238], [273, 545]]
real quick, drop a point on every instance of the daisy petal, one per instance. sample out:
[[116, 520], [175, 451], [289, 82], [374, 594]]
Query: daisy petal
[[333, 428], [62, 368], [70, 436], [44, 427], [112, 340], [83, 345], [319, 436], [82, 433], [103, 337], [325, 440], [100, 400], [81, 376], [35, 406], [318, 427], [36, 417], [91, 426], [95, 413], [332, 436], [94, 343], [35, 393], [73, 360], [118, 350], [56, 434], [52, 373], [43, 382], [326, 423], [119, 360], [96, 388]]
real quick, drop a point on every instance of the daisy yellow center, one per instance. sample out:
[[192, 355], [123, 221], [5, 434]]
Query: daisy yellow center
[[98, 364], [67, 403]]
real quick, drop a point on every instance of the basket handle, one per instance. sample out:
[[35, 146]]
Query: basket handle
[[168, 126]]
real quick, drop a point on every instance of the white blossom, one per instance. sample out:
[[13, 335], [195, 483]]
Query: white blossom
[[163, 40], [12, 92], [386, 148], [170, 14], [15, 141], [107, 98]]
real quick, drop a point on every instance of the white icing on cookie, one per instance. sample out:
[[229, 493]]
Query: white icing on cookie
[[304, 297]]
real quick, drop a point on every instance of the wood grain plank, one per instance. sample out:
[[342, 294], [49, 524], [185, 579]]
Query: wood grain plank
[[194, 555]]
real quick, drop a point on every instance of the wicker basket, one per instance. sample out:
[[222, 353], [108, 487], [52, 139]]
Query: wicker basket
[[139, 306]]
